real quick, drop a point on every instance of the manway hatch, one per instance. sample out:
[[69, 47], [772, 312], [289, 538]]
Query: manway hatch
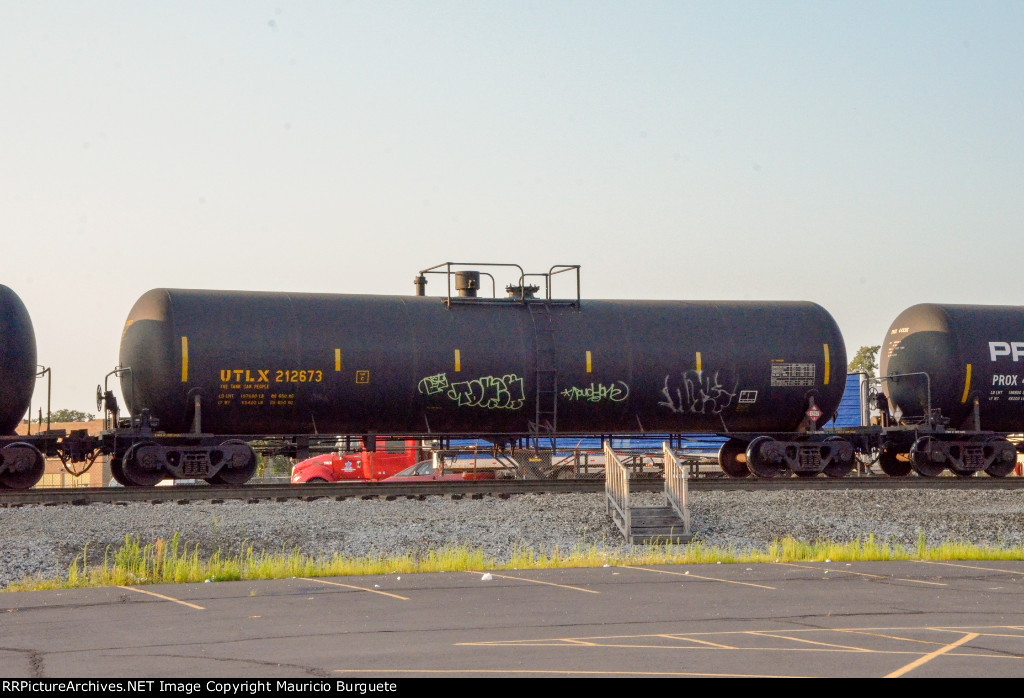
[[646, 524]]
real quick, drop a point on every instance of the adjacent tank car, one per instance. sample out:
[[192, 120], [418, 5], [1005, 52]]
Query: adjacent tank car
[[953, 376], [21, 459]]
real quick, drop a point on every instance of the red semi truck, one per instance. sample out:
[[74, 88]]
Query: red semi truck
[[391, 457]]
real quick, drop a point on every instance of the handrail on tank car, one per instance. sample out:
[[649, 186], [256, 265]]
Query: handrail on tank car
[[40, 372], [894, 377], [100, 399], [448, 272], [551, 272], [564, 268], [521, 292]]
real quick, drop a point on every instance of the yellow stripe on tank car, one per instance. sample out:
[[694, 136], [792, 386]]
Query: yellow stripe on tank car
[[589, 365], [698, 362], [967, 384], [828, 370], [184, 359], [337, 359], [458, 361]]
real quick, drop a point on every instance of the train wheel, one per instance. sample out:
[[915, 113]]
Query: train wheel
[[1001, 468], [894, 464], [240, 465], [25, 466], [732, 458], [839, 467], [117, 471], [140, 468], [763, 458], [921, 459]]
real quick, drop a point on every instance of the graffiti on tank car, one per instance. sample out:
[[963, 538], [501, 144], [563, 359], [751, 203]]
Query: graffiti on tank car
[[488, 392], [598, 392], [699, 392], [432, 385]]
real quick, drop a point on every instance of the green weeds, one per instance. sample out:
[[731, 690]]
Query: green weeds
[[166, 562]]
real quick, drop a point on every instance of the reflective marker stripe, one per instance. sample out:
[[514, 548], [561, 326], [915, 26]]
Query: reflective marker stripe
[[967, 384], [184, 359], [827, 368], [337, 359], [588, 362], [698, 362], [458, 361]]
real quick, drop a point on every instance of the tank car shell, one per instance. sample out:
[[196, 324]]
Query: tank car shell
[[17, 360], [970, 352], [277, 363]]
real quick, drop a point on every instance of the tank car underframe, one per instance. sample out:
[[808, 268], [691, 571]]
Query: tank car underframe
[[928, 452], [142, 457], [897, 450], [778, 454]]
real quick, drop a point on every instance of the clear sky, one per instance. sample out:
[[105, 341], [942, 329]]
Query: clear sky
[[863, 155]]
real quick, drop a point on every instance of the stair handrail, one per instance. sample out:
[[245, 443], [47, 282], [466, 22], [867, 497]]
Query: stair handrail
[[676, 487], [616, 487]]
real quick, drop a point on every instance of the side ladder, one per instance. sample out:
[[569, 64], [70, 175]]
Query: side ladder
[[546, 414]]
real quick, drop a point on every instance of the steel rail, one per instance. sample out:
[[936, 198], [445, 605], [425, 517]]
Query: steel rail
[[183, 494]]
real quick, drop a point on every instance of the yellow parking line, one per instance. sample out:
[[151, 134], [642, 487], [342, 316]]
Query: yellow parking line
[[697, 576], [860, 574], [537, 581], [704, 647], [377, 671], [971, 567], [165, 598], [810, 642], [929, 657], [349, 586], [685, 638], [886, 637]]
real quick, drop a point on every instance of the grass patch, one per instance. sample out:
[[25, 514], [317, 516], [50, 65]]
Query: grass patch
[[167, 562]]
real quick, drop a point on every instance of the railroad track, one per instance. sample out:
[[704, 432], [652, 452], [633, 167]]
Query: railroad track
[[184, 494]]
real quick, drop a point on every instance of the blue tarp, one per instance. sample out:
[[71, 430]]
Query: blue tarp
[[848, 414]]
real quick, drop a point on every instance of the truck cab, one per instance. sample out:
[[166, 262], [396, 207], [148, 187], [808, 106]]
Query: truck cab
[[391, 457]]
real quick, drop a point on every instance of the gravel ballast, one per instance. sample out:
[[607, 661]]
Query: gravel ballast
[[43, 541]]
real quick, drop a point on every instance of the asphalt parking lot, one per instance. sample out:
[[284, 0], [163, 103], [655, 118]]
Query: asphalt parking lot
[[893, 619]]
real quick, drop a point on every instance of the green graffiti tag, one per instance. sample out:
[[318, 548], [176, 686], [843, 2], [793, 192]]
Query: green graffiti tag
[[487, 392], [598, 392], [432, 385]]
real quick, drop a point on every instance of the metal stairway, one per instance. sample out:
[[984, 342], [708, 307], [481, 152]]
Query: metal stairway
[[648, 525]]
